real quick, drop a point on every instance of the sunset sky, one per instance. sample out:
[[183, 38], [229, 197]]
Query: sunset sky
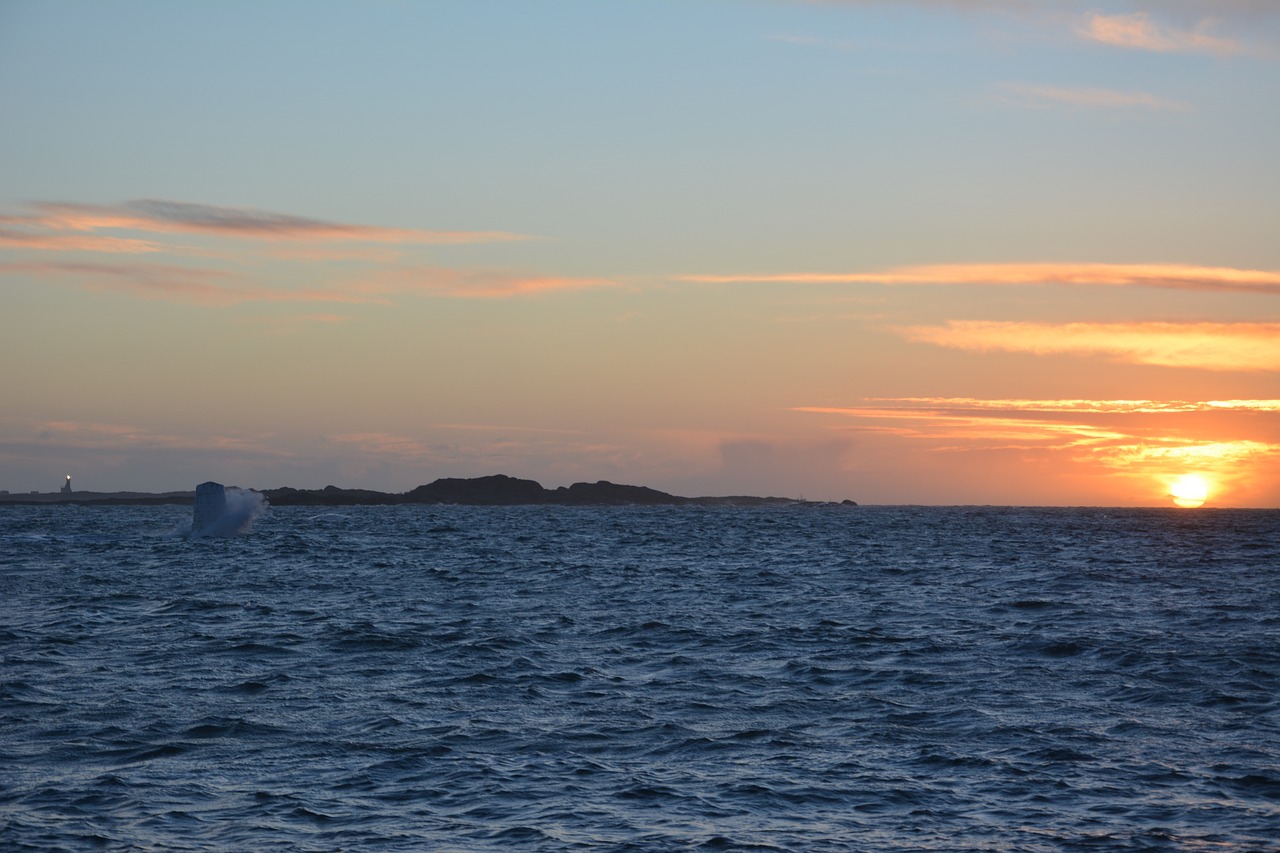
[[899, 252]]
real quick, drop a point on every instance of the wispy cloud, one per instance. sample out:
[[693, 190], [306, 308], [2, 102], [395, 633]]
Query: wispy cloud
[[65, 227], [1181, 276], [153, 281], [1155, 456], [1165, 26], [165, 217], [85, 228], [387, 444], [12, 238], [477, 284], [1221, 8], [507, 428], [1141, 438], [215, 287], [1128, 407], [1139, 31], [1040, 97], [102, 435], [441, 450], [998, 429], [1208, 346], [177, 283]]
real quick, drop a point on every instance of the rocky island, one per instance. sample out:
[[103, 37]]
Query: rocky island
[[493, 490]]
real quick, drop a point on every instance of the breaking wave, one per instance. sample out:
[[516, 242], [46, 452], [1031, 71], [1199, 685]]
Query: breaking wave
[[243, 508]]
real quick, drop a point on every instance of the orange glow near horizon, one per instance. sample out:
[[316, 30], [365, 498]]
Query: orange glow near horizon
[[1119, 446]]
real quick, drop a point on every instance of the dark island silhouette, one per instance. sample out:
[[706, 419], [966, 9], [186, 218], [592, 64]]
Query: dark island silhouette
[[493, 490]]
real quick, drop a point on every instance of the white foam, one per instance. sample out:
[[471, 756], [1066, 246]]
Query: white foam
[[221, 511]]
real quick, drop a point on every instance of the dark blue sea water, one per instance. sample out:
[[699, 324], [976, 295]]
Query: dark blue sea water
[[821, 678]]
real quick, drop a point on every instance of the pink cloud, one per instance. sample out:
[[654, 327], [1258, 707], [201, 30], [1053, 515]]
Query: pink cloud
[[1137, 31]]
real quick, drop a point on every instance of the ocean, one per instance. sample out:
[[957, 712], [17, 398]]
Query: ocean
[[806, 678]]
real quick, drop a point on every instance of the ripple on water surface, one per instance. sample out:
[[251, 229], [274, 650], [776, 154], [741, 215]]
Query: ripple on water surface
[[406, 678]]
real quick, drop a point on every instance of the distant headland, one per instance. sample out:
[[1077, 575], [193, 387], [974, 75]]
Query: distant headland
[[493, 490]]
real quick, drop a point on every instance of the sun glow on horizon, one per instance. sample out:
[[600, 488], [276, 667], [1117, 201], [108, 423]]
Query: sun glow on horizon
[[1189, 491]]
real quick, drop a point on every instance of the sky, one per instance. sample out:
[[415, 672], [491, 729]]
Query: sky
[[1016, 253]]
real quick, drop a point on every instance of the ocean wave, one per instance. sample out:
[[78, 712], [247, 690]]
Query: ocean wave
[[643, 679]]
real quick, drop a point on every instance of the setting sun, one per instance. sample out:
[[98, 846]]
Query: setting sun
[[1189, 491]]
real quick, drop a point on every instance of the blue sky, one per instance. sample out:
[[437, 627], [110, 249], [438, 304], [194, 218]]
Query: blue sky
[[375, 243]]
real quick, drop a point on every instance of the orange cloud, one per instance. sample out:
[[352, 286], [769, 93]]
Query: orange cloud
[[17, 239], [1030, 423], [1182, 276], [1008, 429], [221, 288], [167, 217], [906, 404], [179, 284], [1044, 96], [1139, 441], [477, 284], [1212, 455], [1208, 346], [1138, 31]]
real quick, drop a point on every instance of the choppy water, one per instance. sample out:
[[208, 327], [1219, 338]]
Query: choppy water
[[452, 678]]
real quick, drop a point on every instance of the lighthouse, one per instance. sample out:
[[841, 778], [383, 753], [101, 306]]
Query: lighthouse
[[66, 487]]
